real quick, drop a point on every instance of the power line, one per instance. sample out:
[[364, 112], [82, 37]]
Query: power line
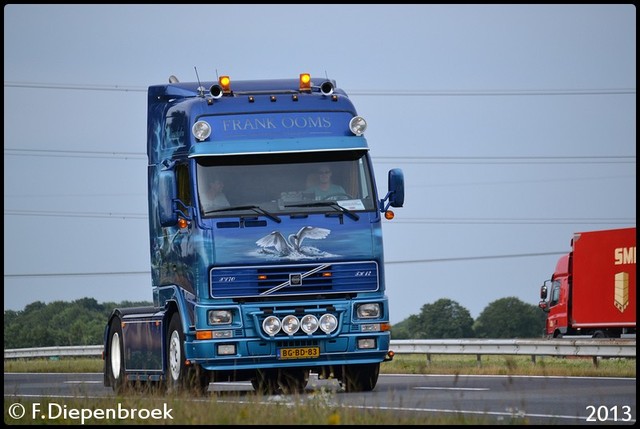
[[363, 92], [74, 153], [516, 221], [598, 159], [105, 273], [111, 215], [120, 273], [439, 221], [510, 160], [491, 92], [79, 87], [476, 258]]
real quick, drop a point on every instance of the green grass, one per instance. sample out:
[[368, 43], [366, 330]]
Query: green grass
[[322, 407], [408, 364], [510, 365]]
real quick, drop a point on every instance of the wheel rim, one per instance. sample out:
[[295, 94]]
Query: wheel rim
[[174, 355], [115, 355]]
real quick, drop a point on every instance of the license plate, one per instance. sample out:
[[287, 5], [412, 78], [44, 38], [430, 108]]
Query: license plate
[[299, 353]]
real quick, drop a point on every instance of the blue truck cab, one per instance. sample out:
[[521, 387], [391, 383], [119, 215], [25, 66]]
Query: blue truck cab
[[282, 272]]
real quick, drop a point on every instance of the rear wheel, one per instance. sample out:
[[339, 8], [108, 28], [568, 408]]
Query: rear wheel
[[600, 334], [360, 378], [115, 361]]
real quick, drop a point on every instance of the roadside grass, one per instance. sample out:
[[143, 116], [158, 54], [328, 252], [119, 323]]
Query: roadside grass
[[409, 364], [510, 365], [320, 407]]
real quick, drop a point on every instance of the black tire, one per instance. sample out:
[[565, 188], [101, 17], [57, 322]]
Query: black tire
[[115, 360], [600, 334], [265, 382], [360, 378], [284, 380], [181, 378], [293, 380]]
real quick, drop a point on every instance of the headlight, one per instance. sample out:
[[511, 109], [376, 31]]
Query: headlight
[[220, 317], [368, 311], [290, 324], [357, 125], [328, 323], [309, 324], [201, 130], [271, 325]]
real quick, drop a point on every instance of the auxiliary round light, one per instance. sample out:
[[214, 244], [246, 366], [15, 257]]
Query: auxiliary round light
[[328, 323], [271, 325], [290, 324], [201, 130], [357, 125], [309, 324]]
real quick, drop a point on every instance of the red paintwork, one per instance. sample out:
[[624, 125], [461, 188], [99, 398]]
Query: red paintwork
[[598, 283]]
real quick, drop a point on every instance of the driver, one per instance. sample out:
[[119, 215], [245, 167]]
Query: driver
[[324, 188]]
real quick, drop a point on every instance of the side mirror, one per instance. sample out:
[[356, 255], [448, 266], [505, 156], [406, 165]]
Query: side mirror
[[543, 292], [543, 305], [167, 194], [396, 187]]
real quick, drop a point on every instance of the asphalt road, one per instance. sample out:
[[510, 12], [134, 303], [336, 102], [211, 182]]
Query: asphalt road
[[513, 399]]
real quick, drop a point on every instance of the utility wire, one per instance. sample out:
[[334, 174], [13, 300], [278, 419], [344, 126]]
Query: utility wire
[[438, 221], [415, 261], [598, 159], [513, 221], [361, 92]]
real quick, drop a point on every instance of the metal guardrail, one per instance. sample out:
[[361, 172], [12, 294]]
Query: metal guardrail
[[594, 348], [37, 352], [621, 348], [541, 347]]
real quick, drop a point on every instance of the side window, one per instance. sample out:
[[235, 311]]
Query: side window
[[184, 190], [555, 294]]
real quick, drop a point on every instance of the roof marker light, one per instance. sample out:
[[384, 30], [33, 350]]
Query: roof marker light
[[225, 83], [305, 82]]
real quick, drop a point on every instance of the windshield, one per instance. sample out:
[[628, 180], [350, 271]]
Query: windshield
[[285, 183]]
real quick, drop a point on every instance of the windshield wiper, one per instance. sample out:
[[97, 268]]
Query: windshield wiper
[[332, 204], [256, 209]]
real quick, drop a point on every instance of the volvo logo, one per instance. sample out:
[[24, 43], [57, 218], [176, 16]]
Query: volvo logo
[[295, 279]]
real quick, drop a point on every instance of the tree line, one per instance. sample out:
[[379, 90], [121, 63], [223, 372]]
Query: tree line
[[82, 322], [59, 323], [503, 318]]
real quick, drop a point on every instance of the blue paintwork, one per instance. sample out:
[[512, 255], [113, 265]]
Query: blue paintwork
[[190, 265]]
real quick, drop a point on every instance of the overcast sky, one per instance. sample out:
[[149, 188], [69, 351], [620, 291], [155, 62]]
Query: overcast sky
[[515, 126]]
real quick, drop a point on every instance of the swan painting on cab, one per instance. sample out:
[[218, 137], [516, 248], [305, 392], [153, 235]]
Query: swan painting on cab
[[291, 246]]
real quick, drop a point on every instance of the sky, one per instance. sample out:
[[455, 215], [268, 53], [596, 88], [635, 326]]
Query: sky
[[514, 125]]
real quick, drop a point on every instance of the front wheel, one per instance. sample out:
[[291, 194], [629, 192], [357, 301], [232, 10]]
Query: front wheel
[[283, 380], [360, 378], [181, 377]]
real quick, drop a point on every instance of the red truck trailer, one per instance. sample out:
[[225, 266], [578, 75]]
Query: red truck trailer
[[593, 289]]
